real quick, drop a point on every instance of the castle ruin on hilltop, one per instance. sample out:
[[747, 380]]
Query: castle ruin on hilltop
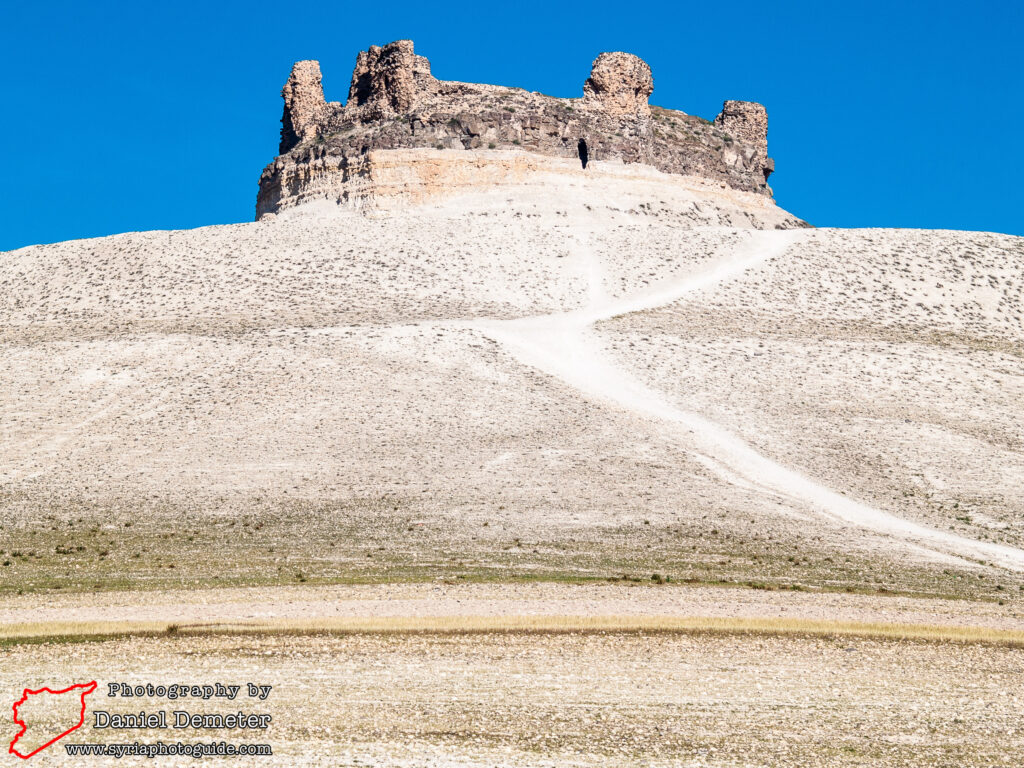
[[327, 149]]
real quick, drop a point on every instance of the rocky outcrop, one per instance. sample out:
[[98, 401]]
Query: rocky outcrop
[[391, 179], [746, 122], [619, 83], [387, 80], [394, 102], [304, 104]]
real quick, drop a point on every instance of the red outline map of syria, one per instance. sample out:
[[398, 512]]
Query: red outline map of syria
[[86, 689]]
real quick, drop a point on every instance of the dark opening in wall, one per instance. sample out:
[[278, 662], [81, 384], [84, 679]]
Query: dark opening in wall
[[583, 152]]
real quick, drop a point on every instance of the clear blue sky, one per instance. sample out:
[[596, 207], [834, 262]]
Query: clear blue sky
[[123, 116]]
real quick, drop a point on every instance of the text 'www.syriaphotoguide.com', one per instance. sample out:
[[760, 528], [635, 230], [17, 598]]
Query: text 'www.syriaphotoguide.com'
[[173, 749]]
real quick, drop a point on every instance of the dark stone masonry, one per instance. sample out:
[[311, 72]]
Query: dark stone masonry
[[395, 103]]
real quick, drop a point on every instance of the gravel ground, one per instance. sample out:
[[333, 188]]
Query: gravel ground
[[416, 600], [573, 700]]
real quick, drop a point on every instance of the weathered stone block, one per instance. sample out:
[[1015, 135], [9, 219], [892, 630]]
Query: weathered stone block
[[620, 84]]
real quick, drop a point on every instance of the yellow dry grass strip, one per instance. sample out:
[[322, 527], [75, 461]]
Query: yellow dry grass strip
[[75, 631]]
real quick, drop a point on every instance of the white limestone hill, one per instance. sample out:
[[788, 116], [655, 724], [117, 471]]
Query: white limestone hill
[[558, 372]]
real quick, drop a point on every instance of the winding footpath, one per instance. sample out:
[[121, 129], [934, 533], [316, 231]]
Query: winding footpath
[[565, 346]]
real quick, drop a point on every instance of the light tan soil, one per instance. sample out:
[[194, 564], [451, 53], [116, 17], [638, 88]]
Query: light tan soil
[[307, 400], [574, 700], [509, 600]]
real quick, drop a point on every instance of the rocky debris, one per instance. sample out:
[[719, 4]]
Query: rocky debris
[[387, 80], [304, 104], [619, 83], [394, 102]]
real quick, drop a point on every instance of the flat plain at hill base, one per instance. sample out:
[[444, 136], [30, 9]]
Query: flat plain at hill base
[[469, 601], [512, 700]]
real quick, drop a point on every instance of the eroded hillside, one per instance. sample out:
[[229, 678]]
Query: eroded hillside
[[582, 376]]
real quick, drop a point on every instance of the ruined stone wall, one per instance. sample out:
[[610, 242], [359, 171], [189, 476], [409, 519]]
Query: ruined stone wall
[[746, 121], [394, 102], [304, 107]]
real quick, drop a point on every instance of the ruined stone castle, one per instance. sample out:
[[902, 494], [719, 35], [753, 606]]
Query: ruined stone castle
[[336, 152]]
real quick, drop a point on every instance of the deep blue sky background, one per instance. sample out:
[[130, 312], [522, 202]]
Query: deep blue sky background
[[124, 116]]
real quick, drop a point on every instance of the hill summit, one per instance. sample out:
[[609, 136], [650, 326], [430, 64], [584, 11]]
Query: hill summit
[[329, 150]]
